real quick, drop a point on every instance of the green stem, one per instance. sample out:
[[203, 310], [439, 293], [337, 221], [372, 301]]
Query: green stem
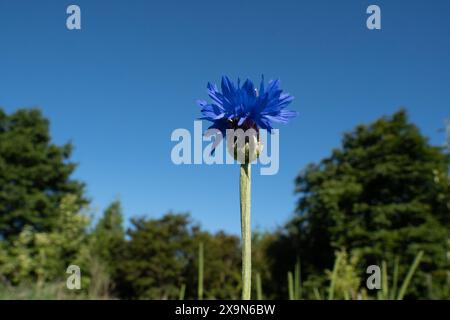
[[259, 294], [384, 279], [200, 271], [395, 280], [411, 271], [337, 263], [182, 291], [317, 294], [244, 188], [297, 281], [291, 285]]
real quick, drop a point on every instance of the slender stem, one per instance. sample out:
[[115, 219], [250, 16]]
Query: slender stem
[[384, 278], [337, 263], [411, 271], [297, 281], [182, 292], [259, 294], [200, 271], [317, 294], [395, 280], [244, 188], [291, 286]]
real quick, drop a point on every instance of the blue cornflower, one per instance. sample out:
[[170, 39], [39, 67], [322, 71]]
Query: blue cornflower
[[245, 107]]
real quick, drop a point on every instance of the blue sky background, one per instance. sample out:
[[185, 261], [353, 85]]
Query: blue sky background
[[118, 87]]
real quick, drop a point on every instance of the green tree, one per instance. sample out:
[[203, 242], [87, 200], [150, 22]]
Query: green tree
[[161, 255], [34, 174], [262, 262], [106, 244], [384, 193], [39, 257], [222, 273], [155, 257], [108, 235]]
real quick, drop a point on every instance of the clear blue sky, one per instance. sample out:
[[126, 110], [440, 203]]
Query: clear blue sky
[[118, 87]]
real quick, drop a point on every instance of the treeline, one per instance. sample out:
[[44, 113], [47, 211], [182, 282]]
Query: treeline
[[379, 199]]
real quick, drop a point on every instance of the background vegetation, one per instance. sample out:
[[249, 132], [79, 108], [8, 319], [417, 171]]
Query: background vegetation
[[381, 198]]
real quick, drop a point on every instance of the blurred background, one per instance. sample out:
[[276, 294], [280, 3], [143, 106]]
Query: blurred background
[[86, 176]]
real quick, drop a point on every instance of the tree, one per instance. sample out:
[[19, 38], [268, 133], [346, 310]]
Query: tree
[[222, 261], [154, 258], [161, 255], [106, 244], [262, 262], [384, 193], [109, 235], [34, 174], [40, 257]]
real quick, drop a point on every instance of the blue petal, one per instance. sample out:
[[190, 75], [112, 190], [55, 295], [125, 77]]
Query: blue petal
[[245, 103]]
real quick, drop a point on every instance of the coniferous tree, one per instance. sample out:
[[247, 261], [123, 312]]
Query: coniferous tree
[[35, 174], [384, 193]]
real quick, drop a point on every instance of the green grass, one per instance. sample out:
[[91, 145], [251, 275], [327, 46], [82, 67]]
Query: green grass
[[389, 289]]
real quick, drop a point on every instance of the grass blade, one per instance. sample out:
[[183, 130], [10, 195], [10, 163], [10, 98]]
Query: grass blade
[[395, 279], [317, 294], [297, 281], [407, 280], [291, 286], [200, 272], [384, 279], [182, 292], [337, 262], [259, 294]]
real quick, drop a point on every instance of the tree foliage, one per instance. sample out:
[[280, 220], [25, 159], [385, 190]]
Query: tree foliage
[[108, 236], [384, 193], [154, 258], [34, 174], [222, 273], [160, 255], [380, 198], [39, 257]]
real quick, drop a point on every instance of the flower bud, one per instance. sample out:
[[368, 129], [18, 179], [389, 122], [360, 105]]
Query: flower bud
[[244, 147]]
